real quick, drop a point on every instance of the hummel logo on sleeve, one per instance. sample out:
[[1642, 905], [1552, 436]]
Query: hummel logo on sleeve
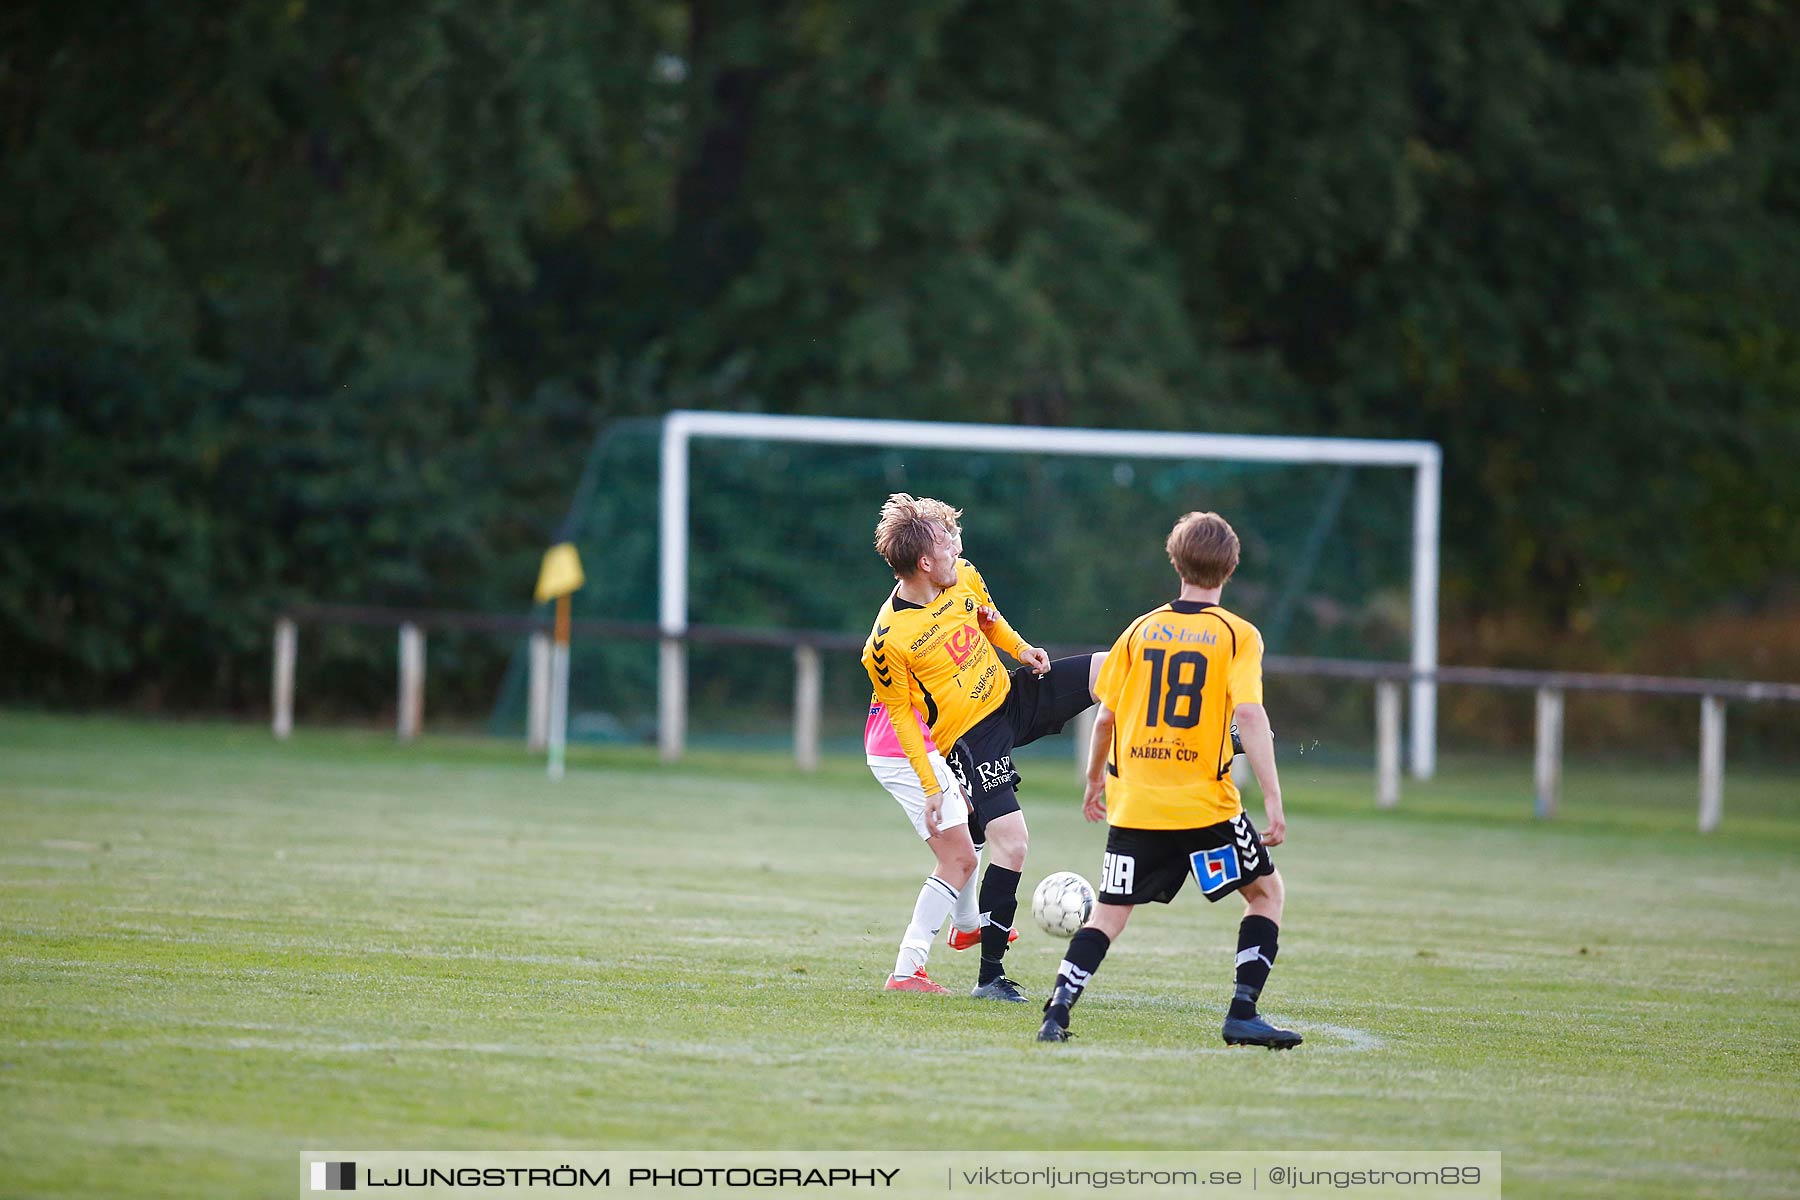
[[878, 654]]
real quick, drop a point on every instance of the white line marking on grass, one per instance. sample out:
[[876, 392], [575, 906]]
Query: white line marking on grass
[[1358, 1039], [609, 1050], [680, 1053]]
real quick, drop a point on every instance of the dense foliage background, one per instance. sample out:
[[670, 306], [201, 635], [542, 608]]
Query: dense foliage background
[[313, 300]]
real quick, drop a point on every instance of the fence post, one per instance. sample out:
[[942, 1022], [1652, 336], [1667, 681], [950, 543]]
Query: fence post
[[1549, 750], [412, 681], [1712, 762], [807, 690], [1387, 743], [286, 650], [671, 699], [537, 694], [1081, 729], [556, 712]]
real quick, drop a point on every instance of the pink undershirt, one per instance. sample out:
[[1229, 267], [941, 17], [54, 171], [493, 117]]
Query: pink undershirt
[[879, 738]]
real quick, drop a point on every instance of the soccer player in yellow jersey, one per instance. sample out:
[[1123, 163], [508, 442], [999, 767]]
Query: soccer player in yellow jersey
[[927, 654], [957, 856], [1159, 772]]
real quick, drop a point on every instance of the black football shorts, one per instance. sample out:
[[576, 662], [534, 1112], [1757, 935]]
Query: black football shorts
[[1144, 865], [1035, 706]]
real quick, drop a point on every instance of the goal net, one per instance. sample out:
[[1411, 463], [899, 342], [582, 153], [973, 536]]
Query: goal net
[[764, 522]]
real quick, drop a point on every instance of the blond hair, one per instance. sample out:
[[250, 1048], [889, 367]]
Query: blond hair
[[907, 530], [943, 514], [1203, 549]]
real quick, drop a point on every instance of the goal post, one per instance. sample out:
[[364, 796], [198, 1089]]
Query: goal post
[[681, 428]]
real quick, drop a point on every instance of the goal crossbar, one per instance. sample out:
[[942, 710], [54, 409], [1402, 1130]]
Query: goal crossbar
[[681, 427]]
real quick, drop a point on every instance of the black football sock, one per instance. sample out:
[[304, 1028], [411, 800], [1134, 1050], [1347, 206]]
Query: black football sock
[[1256, 954], [1086, 949], [1000, 901]]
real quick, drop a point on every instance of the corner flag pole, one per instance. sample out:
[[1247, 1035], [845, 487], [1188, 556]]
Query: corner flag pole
[[558, 578], [559, 689]]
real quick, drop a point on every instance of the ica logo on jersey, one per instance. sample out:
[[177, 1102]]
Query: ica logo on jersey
[[962, 644]]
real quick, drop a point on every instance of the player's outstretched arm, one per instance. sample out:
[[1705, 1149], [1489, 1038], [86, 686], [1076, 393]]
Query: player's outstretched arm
[[1093, 802], [890, 674], [998, 631], [1259, 748], [1005, 637]]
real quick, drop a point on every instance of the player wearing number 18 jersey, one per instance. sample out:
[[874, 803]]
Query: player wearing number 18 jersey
[[1160, 773]]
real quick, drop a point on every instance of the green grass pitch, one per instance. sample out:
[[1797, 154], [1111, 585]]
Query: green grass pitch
[[219, 949]]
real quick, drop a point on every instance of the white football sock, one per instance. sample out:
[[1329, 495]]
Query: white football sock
[[967, 917], [935, 901]]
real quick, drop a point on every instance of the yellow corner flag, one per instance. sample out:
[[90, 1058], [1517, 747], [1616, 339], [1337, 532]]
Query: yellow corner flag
[[561, 572], [559, 576]]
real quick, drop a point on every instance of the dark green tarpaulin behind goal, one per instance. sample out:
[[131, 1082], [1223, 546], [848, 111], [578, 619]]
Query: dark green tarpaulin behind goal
[[781, 538]]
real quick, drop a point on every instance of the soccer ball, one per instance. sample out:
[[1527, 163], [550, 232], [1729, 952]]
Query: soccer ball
[[1062, 903]]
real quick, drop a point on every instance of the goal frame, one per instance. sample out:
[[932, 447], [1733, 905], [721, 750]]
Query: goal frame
[[682, 426]]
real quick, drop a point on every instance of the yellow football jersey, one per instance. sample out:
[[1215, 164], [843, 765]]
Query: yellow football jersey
[[1172, 681], [933, 658]]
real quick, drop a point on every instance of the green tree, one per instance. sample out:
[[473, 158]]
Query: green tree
[[244, 275], [897, 215], [319, 300], [1521, 231]]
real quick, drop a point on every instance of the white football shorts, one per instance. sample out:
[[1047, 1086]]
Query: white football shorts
[[902, 783]]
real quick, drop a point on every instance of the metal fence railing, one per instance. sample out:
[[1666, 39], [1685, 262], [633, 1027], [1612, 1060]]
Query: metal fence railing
[[1388, 680]]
